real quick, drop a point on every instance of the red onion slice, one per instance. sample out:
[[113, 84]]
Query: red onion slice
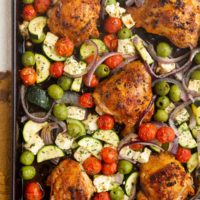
[[184, 95], [174, 146], [95, 66], [60, 123], [32, 115], [129, 138]]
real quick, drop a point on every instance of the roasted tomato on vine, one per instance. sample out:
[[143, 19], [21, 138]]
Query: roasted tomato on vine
[[105, 122], [92, 166], [29, 12], [136, 147], [33, 191], [102, 196], [41, 6], [147, 132], [64, 47], [86, 100], [56, 69], [165, 134], [112, 25], [183, 154], [28, 76], [109, 169], [111, 42], [109, 155], [114, 61], [94, 82]]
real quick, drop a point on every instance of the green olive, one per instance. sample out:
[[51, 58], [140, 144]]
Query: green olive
[[28, 58], [197, 58], [117, 194], [125, 167], [28, 172], [161, 116], [39, 40], [60, 111], [75, 128], [28, 1], [124, 33], [163, 49], [195, 75], [65, 82], [27, 158], [162, 102], [162, 88], [110, 2], [55, 91], [102, 71], [175, 93]]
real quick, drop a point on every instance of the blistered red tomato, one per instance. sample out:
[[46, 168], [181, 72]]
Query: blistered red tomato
[[57, 69], [28, 76], [109, 169], [94, 82], [114, 61], [92, 166], [33, 191], [41, 6], [109, 155], [136, 147], [64, 47], [29, 12], [86, 100], [105, 122], [165, 134], [111, 42], [102, 196], [147, 132], [183, 154], [112, 25]]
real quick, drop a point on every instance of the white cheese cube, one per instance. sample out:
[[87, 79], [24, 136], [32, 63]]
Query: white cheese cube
[[91, 123], [170, 108], [128, 21], [64, 141], [114, 10], [182, 116], [165, 68], [144, 156], [126, 46], [194, 85]]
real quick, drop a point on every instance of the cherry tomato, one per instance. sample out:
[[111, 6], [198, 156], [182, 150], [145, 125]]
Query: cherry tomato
[[64, 47], [147, 132], [102, 196], [112, 25], [33, 191], [136, 147], [41, 6], [111, 42], [183, 154], [86, 100], [90, 59], [109, 169], [94, 81], [105, 122], [92, 166], [28, 76], [29, 12], [165, 134], [109, 155], [113, 61], [56, 69]]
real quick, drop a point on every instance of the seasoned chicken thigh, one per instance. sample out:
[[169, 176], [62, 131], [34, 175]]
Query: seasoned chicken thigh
[[178, 20], [69, 181], [125, 95], [163, 177], [75, 19]]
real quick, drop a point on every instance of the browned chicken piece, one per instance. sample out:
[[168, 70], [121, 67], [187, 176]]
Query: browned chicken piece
[[178, 20], [75, 19], [126, 94], [68, 181], [163, 177]]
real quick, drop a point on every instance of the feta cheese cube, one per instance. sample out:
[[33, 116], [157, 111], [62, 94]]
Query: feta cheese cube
[[128, 21], [144, 156], [194, 85], [91, 123], [126, 46], [165, 68], [114, 10], [170, 108], [64, 141], [182, 116]]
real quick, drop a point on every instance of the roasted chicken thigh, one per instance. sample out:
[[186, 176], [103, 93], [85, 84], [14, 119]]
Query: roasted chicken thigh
[[126, 94], [68, 181], [178, 20], [164, 178], [75, 19]]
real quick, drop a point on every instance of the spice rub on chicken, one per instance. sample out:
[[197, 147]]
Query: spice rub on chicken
[[75, 19], [178, 20], [126, 95], [69, 181], [163, 177]]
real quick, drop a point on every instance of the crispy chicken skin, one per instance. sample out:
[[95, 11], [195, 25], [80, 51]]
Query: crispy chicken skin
[[178, 20], [75, 19], [126, 94], [163, 177], [68, 181]]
